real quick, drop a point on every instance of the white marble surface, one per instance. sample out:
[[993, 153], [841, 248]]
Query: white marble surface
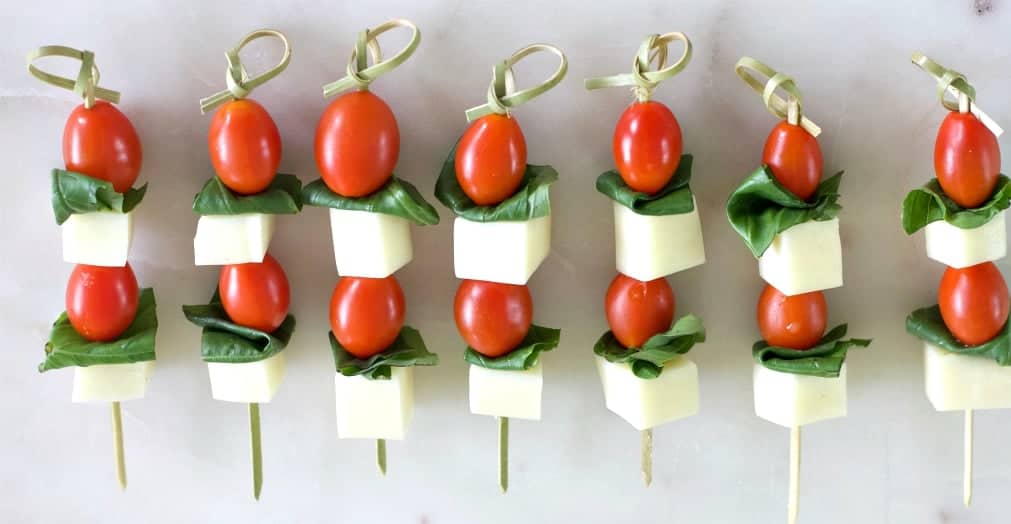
[[893, 459]]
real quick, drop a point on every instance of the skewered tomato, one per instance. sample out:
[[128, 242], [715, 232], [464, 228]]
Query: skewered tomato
[[366, 314], [101, 142], [647, 146], [973, 302], [794, 157], [255, 294], [357, 144], [795, 322], [493, 318], [637, 310], [245, 146], [491, 159], [101, 301], [966, 159]]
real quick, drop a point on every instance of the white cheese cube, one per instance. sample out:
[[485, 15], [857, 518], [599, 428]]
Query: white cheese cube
[[806, 257], [247, 382], [650, 247], [371, 245], [506, 252], [793, 400], [111, 382], [378, 409], [959, 382], [958, 248], [101, 238], [232, 239], [506, 393], [645, 403]]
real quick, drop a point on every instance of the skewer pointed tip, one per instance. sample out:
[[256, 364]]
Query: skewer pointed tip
[[381, 456], [256, 448], [646, 460], [503, 454], [117, 444]]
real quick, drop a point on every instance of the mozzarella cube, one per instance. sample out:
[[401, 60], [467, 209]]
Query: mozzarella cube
[[378, 409], [111, 382], [232, 239], [506, 393], [806, 257], [958, 248], [959, 382], [506, 252], [100, 238], [649, 247], [367, 244], [645, 403], [790, 400], [247, 382]]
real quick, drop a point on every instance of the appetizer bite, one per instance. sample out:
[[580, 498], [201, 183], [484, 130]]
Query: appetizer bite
[[107, 333], [962, 211], [501, 234], [787, 216], [646, 379], [357, 147]]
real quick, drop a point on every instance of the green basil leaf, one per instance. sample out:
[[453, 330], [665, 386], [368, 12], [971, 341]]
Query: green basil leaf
[[282, 197], [927, 325], [647, 362], [525, 355], [528, 202], [79, 193], [397, 197], [407, 350], [225, 341], [927, 204], [674, 198], [761, 207], [68, 348], [823, 360]]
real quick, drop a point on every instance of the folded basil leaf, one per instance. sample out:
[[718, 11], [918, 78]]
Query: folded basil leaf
[[525, 355], [647, 362], [407, 350], [927, 325], [282, 197], [397, 197], [929, 203], [761, 207], [68, 348], [79, 193], [225, 341], [674, 198], [528, 202], [823, 360]]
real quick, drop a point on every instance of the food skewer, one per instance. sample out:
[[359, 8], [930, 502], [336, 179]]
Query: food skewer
[[793, 499], [117, 445], [256, 448], [967, 473], [503, 453], [646, 443]]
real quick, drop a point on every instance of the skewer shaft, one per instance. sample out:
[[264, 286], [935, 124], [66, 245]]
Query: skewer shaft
[[503, 453], [117, 445], [967, 480], [793, 503], [256, 447], [381, 456], [646, 443]]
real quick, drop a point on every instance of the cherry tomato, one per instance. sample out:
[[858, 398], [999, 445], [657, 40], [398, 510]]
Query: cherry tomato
[[966, 159], [647, 146], [795, 322], [491, 159], [101, 142], [101, 301], [245, 146], [637, 310], [357, 144], [255, 294], [366, 314], [794, 157], [492, 318], [973, 302]]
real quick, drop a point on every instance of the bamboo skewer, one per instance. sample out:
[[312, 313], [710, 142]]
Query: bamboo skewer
[[256, 447], [967, 474], [646, 443], [381, 456], [793, 504], [503, 453], [117, 445]]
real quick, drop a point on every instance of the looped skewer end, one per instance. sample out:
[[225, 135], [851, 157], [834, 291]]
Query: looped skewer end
[[237, 80], [954, 83], [789, 108], [86, 83], [359, 73], [502, 100], [643, 80]]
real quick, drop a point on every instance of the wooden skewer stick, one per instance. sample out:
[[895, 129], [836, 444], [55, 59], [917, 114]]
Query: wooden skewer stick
[[646, 443], [967, 480], [117, 444], [503, 453], [381, 455], [256, 447], [793, 503]]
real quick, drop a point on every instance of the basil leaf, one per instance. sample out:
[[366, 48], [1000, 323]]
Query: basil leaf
[[927, 325], [525, 355], [761, 207], [674, 198], [823, 360], [528, 202], [647, 362], [927, 204], [79, 193], [225, 341], [282, 197], [397, 197], [407, 350], [66, 347]]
